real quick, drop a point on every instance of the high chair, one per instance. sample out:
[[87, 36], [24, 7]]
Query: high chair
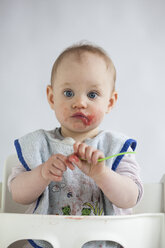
[[144, 229]]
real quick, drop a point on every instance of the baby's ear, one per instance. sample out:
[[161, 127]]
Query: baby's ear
[[112, 101], [50, 96]]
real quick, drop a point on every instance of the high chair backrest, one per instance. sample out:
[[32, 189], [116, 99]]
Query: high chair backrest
[[134, 231], [7, 203], [153, 200], [0, 194]]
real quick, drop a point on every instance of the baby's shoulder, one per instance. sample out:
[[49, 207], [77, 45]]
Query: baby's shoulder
[[111, 135], [37, 135], [110, 140]]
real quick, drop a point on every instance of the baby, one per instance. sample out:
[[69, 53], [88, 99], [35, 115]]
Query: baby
[[59, 172]]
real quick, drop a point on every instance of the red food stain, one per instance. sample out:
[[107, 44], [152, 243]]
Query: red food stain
[[74, 158], [73, 218], [87, 121]]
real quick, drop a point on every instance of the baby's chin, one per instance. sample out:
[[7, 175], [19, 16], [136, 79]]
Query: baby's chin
[[81, 127], [78, 126]]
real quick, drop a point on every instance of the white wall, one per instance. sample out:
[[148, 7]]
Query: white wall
[[33, 33]]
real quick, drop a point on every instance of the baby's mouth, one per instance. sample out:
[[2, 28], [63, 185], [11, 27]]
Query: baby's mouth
[[80, 115], [87, 120]]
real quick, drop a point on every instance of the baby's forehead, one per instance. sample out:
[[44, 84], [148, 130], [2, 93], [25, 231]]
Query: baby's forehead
[[81, 58], [72, 63]]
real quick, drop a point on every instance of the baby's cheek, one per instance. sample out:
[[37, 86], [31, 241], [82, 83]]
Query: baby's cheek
[[95, 118], [63, 112]]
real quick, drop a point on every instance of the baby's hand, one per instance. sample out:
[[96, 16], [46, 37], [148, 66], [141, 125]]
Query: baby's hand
[[54, 167], [86, 158]]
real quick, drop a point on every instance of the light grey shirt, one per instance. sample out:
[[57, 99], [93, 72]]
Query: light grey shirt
[[77, 194]]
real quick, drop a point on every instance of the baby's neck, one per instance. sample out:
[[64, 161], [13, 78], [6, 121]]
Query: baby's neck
[[79, 136]]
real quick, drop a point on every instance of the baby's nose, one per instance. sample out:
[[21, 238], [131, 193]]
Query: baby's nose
[[79, 103]]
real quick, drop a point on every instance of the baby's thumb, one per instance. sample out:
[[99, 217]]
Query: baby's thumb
[[74, 159]]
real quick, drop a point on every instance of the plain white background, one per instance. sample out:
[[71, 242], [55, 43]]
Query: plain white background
[[33, 33]]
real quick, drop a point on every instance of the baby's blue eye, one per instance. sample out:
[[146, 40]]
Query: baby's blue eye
[[92, 94], [68, 93]]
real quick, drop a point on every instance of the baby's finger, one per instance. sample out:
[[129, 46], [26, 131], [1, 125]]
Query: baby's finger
[[96, 155], [75, 146], [69, 164], [88, 152], [55, 171], [74, 159], [54, 178], [82, 150], [65, 162], [47, 174], [59, 164], [60, 157]]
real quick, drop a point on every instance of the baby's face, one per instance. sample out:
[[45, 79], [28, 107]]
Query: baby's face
[[82, 93]]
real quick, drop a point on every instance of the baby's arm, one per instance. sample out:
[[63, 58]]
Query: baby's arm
[[121, 190], [28, 186]]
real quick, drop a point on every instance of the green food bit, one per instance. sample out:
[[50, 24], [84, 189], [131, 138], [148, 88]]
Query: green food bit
[[66, 210], [86, 211]]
